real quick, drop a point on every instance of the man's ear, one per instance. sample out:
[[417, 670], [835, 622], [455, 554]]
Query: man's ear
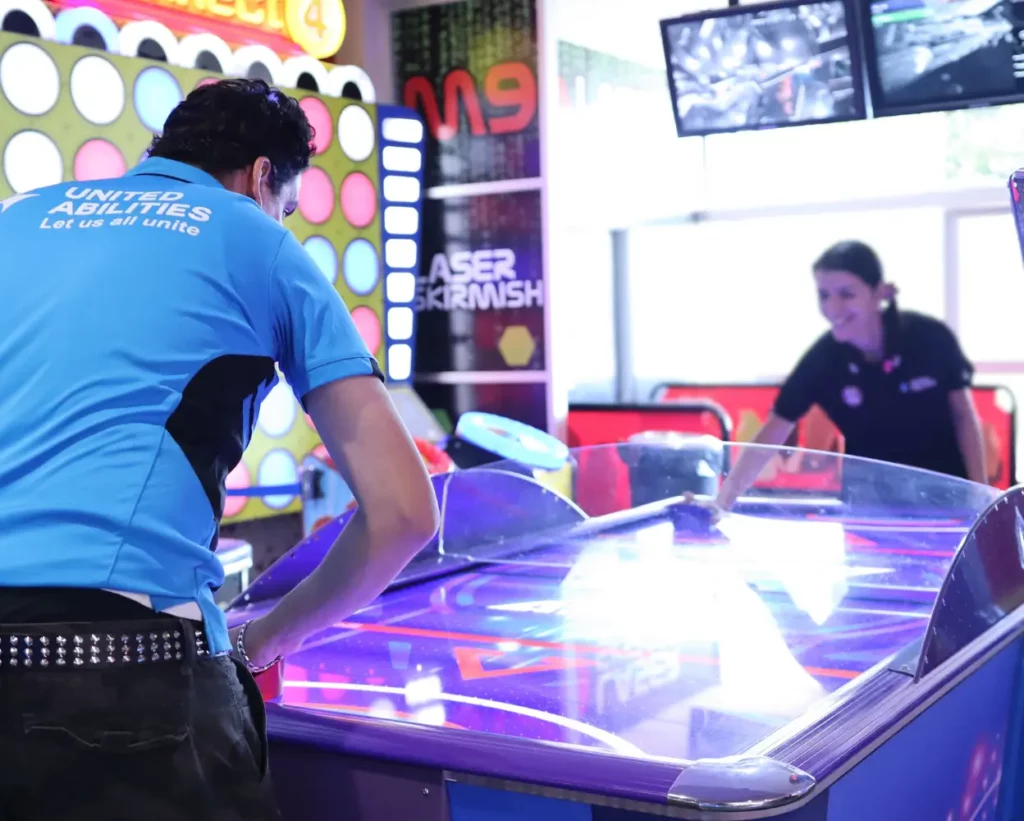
[[259, 177]]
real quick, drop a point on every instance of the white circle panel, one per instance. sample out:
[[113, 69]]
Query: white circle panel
[[278, 411], [29, 79], [356, 133], [97, 90], [32, 160]]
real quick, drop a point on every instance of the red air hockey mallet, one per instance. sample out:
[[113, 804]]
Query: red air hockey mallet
[[271, 682]]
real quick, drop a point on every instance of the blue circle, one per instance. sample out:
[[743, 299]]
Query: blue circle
[[324, 255], [278, 468], [155, 95], [361, 266]]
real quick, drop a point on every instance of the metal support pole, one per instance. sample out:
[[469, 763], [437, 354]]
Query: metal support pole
[[625, 381]]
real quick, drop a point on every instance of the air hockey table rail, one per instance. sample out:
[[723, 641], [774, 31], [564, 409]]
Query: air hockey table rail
[[653, 658]]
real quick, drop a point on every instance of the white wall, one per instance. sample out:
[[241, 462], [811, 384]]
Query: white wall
[[734, 288], [733, 300], [627, 30], [583, 338]]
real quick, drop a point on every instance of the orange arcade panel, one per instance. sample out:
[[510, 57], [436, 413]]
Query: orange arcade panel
[[76, 114]]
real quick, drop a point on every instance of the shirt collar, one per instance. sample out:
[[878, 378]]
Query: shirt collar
[[161, 167], [892, 343]]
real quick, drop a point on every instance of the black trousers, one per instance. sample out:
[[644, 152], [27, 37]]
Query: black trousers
[[161, 741]]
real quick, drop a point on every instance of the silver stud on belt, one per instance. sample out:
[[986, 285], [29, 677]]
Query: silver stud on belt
[[91, 650]]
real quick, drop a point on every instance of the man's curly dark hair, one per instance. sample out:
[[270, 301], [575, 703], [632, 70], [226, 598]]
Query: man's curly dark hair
[[224, 126]]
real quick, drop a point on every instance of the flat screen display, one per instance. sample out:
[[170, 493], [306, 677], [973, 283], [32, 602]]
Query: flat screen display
[[929, 55], [762, 67]]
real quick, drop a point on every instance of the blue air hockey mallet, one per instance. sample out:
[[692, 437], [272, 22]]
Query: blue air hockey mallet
[[698, 515]]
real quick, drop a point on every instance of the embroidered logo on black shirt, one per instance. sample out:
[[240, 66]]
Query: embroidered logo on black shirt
[[852, 396]]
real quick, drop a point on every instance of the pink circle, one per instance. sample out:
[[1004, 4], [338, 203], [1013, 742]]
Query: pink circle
[[368, 324], [358, 199], [320, 118], [206, 81], [316, 196], [238, 479], [99, 160]]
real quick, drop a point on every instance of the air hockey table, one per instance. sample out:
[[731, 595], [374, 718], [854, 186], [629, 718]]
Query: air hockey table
[[823, 659]]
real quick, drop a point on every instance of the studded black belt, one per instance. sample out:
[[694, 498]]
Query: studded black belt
[[100, 645]]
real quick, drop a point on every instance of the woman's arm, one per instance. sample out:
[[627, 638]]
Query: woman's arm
[[796, 396], [968, 434], [753, 460]]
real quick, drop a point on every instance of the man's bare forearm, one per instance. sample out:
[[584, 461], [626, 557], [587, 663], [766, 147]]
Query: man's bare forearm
[[356, 570]]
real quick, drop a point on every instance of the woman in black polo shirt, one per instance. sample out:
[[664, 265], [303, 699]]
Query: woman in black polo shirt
[[895, 383]]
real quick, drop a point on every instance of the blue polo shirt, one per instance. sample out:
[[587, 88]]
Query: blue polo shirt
[[142, 319]]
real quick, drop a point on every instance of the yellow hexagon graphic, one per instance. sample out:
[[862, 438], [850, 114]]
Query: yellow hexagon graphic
[[516, 346]]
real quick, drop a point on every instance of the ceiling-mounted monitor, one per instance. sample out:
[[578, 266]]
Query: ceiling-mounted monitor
[[763, 66], [926, 55]]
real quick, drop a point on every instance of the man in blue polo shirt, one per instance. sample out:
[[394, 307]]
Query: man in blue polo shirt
[[142, 319]]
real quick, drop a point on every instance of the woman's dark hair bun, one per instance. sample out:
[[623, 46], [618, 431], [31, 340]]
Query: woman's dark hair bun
[[855, 257]]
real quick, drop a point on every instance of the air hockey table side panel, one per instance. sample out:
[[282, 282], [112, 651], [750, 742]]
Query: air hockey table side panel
[[315, 783], [476, 802], [973, 729], [1012, 799]]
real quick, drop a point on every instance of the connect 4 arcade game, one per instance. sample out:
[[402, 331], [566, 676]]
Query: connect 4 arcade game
[[76, 113]]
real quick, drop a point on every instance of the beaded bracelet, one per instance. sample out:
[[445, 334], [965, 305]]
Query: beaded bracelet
[[240, 649]]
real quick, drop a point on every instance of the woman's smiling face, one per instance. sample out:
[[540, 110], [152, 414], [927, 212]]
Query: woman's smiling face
[[850, 305]]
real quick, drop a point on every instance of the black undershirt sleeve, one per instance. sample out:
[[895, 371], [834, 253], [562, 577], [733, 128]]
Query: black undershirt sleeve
[[800, 390]]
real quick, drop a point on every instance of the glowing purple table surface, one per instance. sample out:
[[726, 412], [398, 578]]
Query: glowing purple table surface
[[684, 654]]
